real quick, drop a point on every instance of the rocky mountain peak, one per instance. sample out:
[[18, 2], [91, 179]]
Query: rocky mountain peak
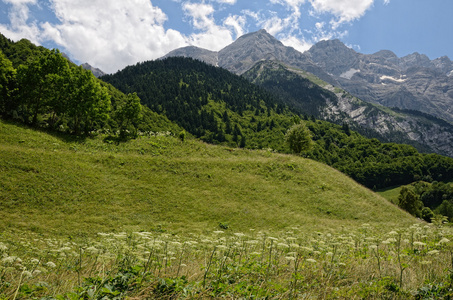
[[207, 56], [96, 72], [386, 54], [242, 54], [333, 56]]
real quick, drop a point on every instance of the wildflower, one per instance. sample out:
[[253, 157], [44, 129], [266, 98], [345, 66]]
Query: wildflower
[[92, 249], [36, 272], [307, 249], [294, 245], [393, 232], [282, 245], [444, 241], [218, 231], [34, 261], [239, 234], [3, 247], [373, 247], [290, 258], [419, 244], [51, 264], [27, 274], [433, 252], [222, 247], [252, 242], [272, 238], [9, 259], [329, 254], [311, 260], [183, 265]]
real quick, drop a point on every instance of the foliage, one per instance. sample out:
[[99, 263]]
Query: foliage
[[410, 202], [55, 93], [298, 138], [372, 163], [435, 198], [7, 83], [208, 102]]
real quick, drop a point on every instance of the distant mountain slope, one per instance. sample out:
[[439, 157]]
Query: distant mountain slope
[[96, 72], [425, 132], [411, 82], [220, 107]]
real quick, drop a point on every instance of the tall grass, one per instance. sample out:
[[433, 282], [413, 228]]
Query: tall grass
[[404, 263], [58, 185]]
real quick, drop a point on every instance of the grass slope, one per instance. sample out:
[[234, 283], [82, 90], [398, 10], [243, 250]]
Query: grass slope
[[60, 185]]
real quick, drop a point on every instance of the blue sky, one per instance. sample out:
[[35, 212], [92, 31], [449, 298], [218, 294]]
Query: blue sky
[[111, 34]]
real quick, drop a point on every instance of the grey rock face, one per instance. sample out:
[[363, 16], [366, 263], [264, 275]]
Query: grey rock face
[[207, 56], [424, 132], [96, 72]]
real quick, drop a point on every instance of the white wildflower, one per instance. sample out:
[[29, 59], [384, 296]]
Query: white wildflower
[[239, 234], [9, 259], [419, 244], [34, 261], [3, 247], [282, 245], [433, 252], [311, 260], [290, 258], [51, 264], [444, 241], [27, 274], [218, 232], [36, 272], [92, 249]]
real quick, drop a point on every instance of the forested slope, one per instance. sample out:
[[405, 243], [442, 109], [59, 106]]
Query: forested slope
[[220, 107]]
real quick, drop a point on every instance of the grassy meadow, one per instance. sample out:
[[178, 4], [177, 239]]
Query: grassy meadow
[[161, 218]]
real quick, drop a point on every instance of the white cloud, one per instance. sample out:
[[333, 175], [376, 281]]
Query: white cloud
[[20, 2], [237, 23], [227, 1], [298, 44], [111, 34], [211, 36], [386, 2], [344, 10], [19, 26]]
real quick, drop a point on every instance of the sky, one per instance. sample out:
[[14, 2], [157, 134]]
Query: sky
[[111, 34]]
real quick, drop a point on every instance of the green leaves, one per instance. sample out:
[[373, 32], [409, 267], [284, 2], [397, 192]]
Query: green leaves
[[298, 138]]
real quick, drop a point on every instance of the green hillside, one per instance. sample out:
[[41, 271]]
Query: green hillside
[[61, 184], [220, 107]]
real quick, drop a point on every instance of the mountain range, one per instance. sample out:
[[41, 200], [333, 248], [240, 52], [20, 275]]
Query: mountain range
[[362, 88]]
